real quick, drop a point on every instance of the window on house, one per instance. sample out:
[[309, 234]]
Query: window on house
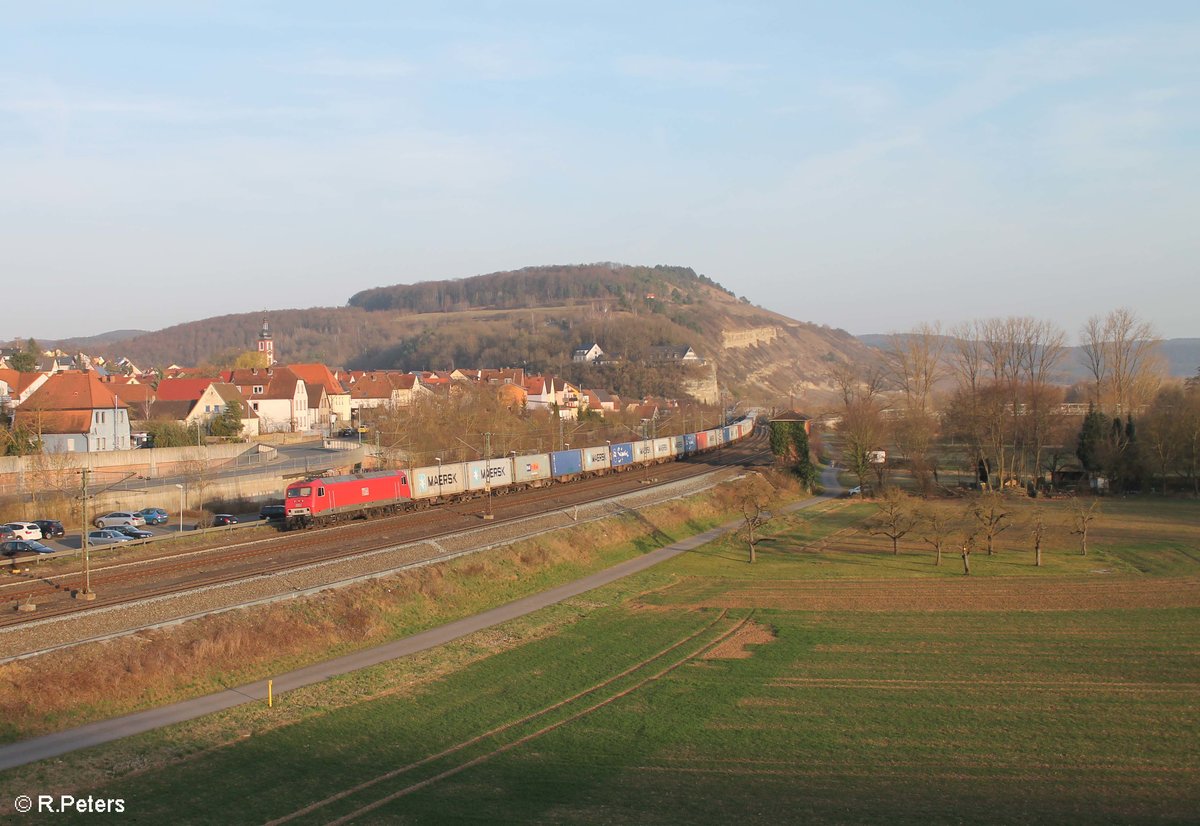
[[258, 388]]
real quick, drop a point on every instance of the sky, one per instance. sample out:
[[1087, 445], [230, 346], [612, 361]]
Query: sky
[[868, 166]]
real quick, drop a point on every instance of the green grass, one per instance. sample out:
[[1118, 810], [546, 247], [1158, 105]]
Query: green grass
[[890, 718], [992, 715]]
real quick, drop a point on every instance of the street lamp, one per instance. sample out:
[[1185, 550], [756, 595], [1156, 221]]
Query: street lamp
[[332, 423], [180, 506]]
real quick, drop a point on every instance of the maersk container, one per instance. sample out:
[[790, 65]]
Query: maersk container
[[622, 454], [531, 468], [566, 463], [434, 481], [690, 445], [495, 473], [595, 458], [664, 448]]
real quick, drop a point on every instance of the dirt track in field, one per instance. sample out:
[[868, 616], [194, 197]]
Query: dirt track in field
[[991, 594]]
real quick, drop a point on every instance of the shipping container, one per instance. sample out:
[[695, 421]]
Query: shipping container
[[595, 458], [643, 452], [664, 448], [531, 468], [727, 434], [622, 454], [496, 473], [702, 440], [690, 445], [434, 481], [679, 445], [566, 463]]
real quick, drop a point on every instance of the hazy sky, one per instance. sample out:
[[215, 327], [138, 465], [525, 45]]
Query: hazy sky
[[862, 165]]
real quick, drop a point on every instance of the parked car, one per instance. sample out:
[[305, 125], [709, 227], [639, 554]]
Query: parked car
[[23, 546], [855, 491], [134, 533], [106, 536], [272, 512], [348, 431], [223, 519], [51, 528], [111, 520], [6, 532], [25, 530], [154, 516]]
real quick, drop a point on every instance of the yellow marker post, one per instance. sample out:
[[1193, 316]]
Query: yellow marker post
[[270, 693]]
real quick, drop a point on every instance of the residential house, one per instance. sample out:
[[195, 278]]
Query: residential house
[[601, 401], [199, 401], [137, 396], [74, 412], [675, 354], [337, 397], [276, 395], [385, 388], [16, 387], [588, 353]]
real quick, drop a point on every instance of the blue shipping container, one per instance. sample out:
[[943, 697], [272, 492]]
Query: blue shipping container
[[727, 434], [680, 446], [689, 442], [622, 454], [566, 463]]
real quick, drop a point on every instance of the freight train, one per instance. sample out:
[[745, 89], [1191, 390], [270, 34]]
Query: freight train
[[326, 500]]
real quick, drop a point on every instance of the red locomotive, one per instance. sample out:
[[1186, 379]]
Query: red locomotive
[[360, 494]]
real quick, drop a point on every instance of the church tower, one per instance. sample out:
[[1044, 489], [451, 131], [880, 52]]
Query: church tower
[[265, 344]]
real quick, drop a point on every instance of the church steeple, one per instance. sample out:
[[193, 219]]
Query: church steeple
[[265, 343]]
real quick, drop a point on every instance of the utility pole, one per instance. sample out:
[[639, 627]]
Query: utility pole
[[487, 474], [85, 593]]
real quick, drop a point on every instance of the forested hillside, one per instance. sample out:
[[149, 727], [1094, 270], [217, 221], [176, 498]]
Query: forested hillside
[[535, 318]]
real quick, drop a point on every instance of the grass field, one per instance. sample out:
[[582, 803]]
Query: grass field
[[829, 682]]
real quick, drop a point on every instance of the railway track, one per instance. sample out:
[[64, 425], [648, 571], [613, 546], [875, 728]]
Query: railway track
[[118, 581]]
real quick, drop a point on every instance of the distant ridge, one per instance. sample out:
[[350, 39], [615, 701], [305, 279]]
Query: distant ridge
[[1182, 355]]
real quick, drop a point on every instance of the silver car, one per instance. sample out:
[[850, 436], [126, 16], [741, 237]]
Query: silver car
[[106, 536], [111, 520]]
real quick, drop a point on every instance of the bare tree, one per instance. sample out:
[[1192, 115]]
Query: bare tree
[[938, 526], [1083, 519], [1121, 352], [1037, 533], [915, 364], [989, 512], [755, 514], [862, 429], [894, 518], [968, 547]]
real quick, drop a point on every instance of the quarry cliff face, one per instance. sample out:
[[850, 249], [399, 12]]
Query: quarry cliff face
[[748, 337]]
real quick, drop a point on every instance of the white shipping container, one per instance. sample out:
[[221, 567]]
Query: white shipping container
[[498, 471], [596, 458], [643, 451], [664, 448], [531, 468], [433, 481]]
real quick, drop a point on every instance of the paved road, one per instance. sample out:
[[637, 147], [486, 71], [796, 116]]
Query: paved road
[[52, 745]]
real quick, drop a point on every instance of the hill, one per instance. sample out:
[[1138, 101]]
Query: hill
[[536, 317]]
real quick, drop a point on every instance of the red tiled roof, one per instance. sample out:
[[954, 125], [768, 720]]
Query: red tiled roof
[[174, 390], [318, 374], [73, 390], [53, 421]]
